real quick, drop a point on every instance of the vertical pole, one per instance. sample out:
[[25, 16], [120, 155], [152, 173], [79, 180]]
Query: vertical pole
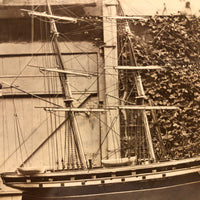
[[111, 77], [157, 127], [103, 146], [67, 92], [141, 94]]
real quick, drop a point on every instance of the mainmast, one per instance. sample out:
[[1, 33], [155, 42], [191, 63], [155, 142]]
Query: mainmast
[[141, 98], [68, 100]]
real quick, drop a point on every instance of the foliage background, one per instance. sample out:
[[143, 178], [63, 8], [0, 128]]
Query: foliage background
[[172, 42]]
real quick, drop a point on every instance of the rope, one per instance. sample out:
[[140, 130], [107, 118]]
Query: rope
[[3, 130]]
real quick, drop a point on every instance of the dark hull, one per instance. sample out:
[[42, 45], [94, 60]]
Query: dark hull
[[182, 187], [179, 192]]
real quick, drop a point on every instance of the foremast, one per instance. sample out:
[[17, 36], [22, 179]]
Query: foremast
[[67, 94]]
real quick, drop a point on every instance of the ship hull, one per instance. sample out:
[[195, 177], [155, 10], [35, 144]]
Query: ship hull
[[181, 191], [166, 181]]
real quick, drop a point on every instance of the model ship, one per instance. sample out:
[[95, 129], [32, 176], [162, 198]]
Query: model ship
[[132, 174]]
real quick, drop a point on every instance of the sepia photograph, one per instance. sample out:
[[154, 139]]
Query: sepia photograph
[[99, 100]]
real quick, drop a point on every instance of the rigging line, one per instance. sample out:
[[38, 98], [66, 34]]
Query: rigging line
[[89, 58], [114, 152], [58, 117], [76, 153], [47, 127], [109, 129], [16, 127], [74, 145], [38, 6], [66, 37], [154, 39], [71, 114], [51, 147], [25, 66], [90, 27], [40, 18], [4, 104], [33, 95], [116, 116], [28, 137], [41, 30], [80, 31], [73, 55], [66, 10], [162, 30], [145, 44], [70, 147], [44, 141], [134, 10], [47, 46], [65, 143], [84, 29], [80, 91], [110, 57], [55, 119], [131, 92], [51, 129], [114, 141], [61, 143], [82, 96], [78, 46], [121, 12], [177, 35], [75, 122], [122, 49], [20, 131], [121, 99], [56, 142], [108, 89], [3, 127], [89, 86], [103, 90], [15, 140], [18, 124]]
